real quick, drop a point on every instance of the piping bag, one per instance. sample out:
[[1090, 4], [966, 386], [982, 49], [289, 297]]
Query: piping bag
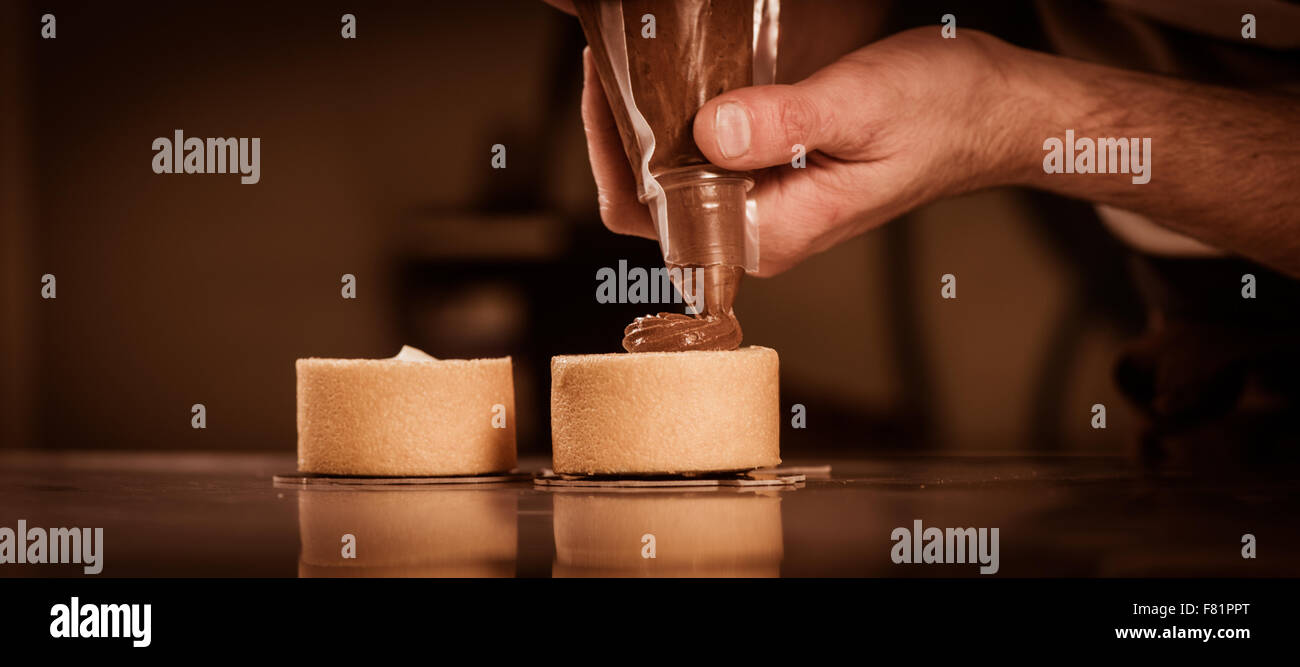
[[659, 62]]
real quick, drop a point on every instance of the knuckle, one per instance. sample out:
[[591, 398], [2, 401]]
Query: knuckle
[[795, 118]]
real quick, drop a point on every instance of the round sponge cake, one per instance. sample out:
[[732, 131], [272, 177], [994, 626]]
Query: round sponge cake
[[406, 416], [665, 412]]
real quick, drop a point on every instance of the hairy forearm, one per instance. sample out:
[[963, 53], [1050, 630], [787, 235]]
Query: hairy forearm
[[1224, 165]]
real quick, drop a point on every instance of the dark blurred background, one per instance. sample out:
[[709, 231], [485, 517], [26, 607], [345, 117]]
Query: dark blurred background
[[375, 161]]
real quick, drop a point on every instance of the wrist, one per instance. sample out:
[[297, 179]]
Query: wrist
[[1019, 97], [1042, 98]]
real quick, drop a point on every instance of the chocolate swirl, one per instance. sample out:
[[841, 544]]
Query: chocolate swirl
[[675, 332]]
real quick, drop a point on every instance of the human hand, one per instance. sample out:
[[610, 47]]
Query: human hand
[[907, 120]]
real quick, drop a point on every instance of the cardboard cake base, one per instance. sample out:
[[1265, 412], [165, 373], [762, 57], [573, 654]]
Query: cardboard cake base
[[776, 477], [299, 479]]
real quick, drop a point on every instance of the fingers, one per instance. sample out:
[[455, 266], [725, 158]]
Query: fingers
[[802, 212], [792, 218], [752, 128], [615, 183]]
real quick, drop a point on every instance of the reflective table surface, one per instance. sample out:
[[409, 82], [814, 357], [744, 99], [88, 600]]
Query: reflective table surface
[[221, 515]]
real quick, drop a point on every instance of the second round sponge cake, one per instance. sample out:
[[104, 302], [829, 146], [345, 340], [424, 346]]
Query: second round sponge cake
[[665, 412], [411, 415]]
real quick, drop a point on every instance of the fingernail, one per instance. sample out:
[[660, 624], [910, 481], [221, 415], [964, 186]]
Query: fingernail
[[731, 126]]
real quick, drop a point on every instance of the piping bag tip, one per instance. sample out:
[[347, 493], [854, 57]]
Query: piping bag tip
[[710, 293], [715, 288]]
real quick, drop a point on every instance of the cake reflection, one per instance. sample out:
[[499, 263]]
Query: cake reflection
[[407, 533], [691, 534]]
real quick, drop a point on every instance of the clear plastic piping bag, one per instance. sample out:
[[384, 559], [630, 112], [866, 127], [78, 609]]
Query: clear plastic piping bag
[[659, 62]]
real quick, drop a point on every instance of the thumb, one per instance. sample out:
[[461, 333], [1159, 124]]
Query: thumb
[[752, 128]]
